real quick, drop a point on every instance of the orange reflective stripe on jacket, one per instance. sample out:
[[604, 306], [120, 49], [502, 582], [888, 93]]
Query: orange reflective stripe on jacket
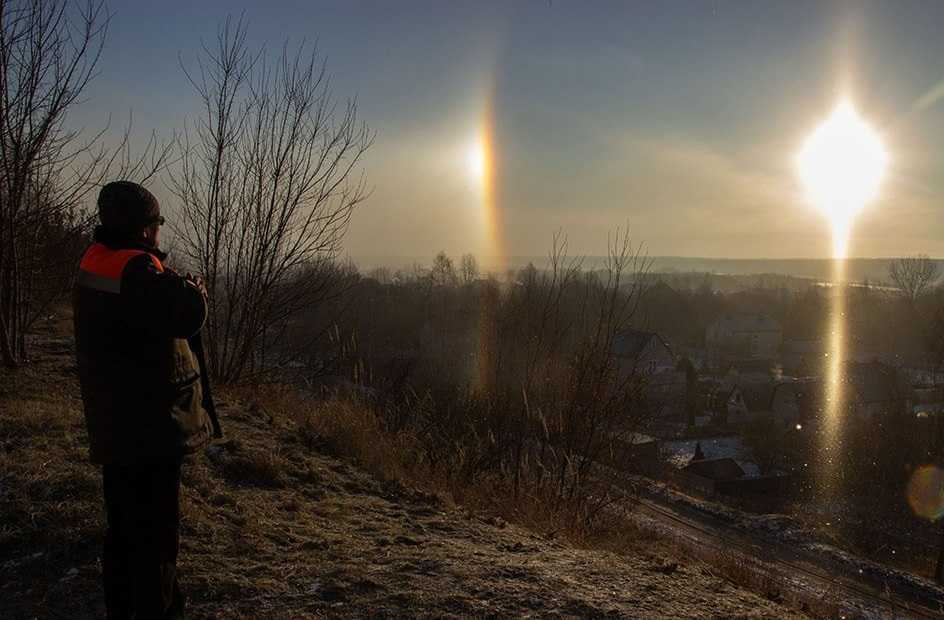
[[101, 267]]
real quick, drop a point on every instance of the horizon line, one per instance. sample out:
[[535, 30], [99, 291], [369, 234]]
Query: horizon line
[[652, 256]]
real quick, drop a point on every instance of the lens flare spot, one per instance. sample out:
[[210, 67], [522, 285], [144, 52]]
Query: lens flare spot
[[926, 492]]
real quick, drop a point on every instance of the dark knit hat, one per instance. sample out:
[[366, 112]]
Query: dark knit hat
[[125, 207]]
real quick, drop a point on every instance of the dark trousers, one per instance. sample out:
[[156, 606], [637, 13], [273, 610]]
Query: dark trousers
[[142, 505]]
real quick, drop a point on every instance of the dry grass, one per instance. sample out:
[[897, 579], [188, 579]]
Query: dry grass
[[51, 500], [353, 431], [252, 466], [747, 572], [336, 427]]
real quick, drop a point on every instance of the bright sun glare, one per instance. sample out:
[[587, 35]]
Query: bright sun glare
[[842, 165], [476, 160]]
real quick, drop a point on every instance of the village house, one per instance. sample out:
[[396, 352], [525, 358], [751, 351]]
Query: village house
[[797, 401], [876, 389], [724, 401], [754, 370], [744, 388], [643, 351], [803, 357], [869, 390], [757, 395], [743, 336], [924, 370], [721, 466], [927, 401], [648, 354]]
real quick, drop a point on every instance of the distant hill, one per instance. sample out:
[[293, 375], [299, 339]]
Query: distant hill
[[857, 269]]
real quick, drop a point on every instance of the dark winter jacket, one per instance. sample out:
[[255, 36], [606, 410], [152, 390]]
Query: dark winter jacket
[[140, 382]]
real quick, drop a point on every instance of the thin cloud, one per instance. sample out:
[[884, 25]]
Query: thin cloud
[[930, 98]]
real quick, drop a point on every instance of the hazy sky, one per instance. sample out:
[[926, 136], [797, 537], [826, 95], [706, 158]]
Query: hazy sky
[[680, 118]]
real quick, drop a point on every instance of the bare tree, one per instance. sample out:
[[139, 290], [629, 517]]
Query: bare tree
[[913, 275], [267, 186], [443, 271], [469, 268], [47, 57], [548, 371], [49, 50], [380, 274]]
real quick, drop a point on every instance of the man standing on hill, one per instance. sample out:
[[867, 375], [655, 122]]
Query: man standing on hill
[[141, 395]]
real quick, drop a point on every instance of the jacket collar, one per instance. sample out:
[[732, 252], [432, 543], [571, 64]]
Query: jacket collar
[[115, 241]]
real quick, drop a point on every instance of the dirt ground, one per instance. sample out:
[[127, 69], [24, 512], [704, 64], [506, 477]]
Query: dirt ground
[[275, 527]]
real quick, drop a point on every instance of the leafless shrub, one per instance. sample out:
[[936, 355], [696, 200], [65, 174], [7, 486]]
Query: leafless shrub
[[267, 187], [549, 397]]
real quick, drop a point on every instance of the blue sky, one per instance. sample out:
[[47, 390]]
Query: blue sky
[[678, 118]]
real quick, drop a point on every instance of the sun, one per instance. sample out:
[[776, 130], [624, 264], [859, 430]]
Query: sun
[[842, 165], [476, 159]]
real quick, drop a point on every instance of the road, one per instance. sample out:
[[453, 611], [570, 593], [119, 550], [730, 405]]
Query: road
[[818, 581]]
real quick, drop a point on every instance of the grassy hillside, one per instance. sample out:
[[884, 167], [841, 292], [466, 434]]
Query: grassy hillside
[[305, 512]]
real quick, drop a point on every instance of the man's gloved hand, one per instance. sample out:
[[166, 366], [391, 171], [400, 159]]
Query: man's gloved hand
[[197, 282]]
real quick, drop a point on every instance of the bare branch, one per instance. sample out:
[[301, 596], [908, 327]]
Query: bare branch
[[49, 50], [267, 183], [913, 275]]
